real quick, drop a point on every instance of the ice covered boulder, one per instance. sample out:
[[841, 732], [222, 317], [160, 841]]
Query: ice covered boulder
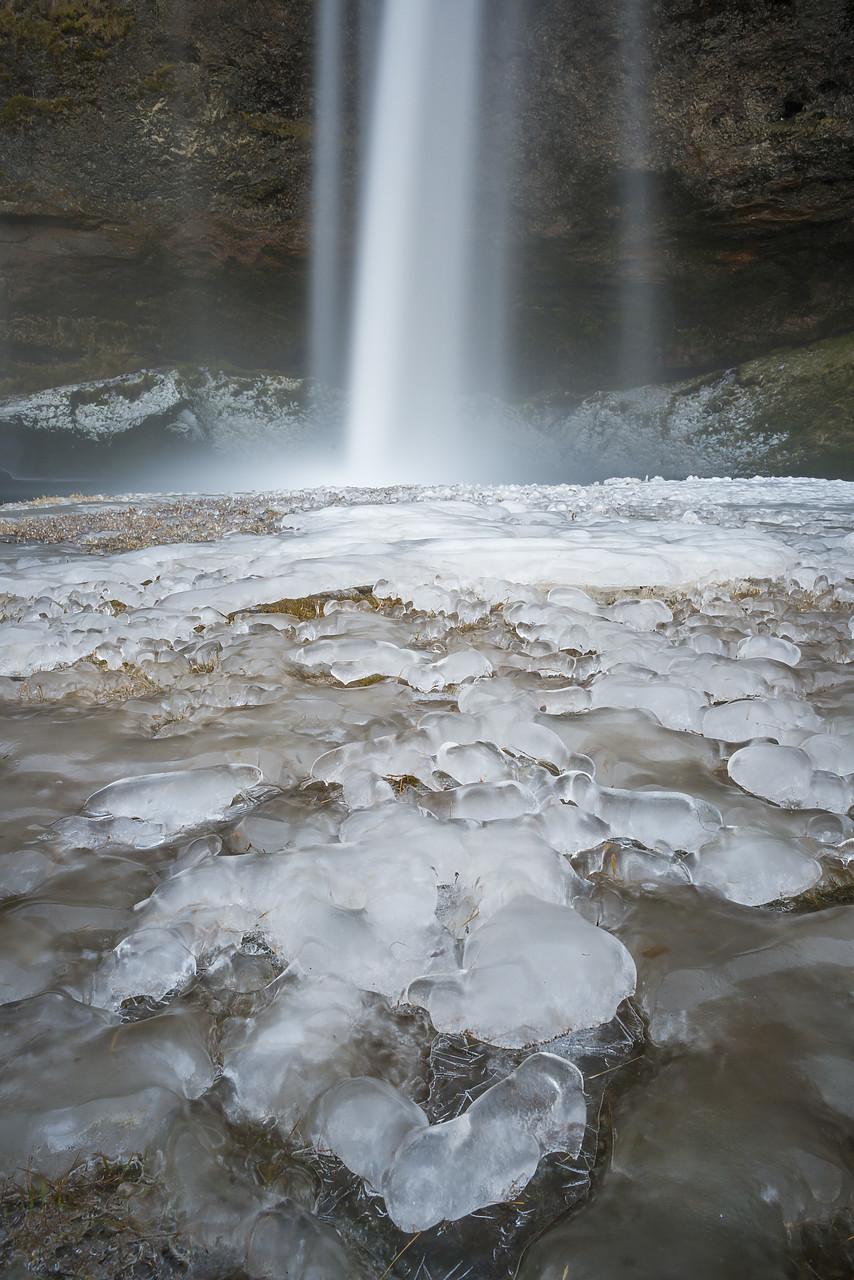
[[351, 658], [641, 615], [570, 829], [533, 971], [473, 762], [148, 810], [442, 1172], [365, 1121], [112, 1089], [456, 668], [290, 1243], [315, 1033], [786, 720], [155, 960], [658, 819], [832, 752], [482, 801], [753, 868], [573, 598], [675, 704], [770, 647], [785, 776]]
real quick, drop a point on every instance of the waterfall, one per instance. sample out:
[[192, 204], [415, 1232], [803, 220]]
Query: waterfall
[[638, 268], [326, 262], [412, 311]]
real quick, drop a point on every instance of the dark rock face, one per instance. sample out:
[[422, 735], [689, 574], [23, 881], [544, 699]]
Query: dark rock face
[[159, 212], [747, 165], [155, 198]]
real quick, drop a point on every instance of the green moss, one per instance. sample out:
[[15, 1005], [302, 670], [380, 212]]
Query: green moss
[[45, 46], [21, 109], [167, 79], [279, 126]]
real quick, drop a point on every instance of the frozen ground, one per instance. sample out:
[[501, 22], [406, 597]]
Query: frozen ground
[[458, 869]]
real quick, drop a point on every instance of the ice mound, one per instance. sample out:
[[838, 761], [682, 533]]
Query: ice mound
[[761, 646], [155, 960], [657, 819], [363, 911], [482, 802], [117, 1100], [473, 762], [314, 1033], [675, 705], [785, 776], [533, 971], [442, 1172], [289, 1243], [641, 615], [786, 720], [350, 659], [833, 753], [146, 811], [753, 868]]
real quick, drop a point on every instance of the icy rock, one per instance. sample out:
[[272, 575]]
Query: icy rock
[[642, 867], [772, 647], [525, 738], [786, 720], [456, 668], [23, 871], [641, 615], [754, 868], [213, 1202], [785, 776], [473, 762], [150, 809], [365, 1121], [574, 598], [290, 1243], [531, 972], [152, 960], [664, 820], [833, 1077], [393, 755], [674, 704], [117, 1099], [444, 1172], [558, 702], [511, 701], [570, 829], [834, 753], [278, 1061], [350, 658], [482, 802], [724, 679], [365, 911], [490, 866]]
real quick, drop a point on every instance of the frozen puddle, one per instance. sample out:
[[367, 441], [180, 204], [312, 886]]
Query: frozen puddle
[[344, 868]]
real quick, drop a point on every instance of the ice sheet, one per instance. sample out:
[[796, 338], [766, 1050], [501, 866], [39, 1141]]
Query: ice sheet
[[388, 789]]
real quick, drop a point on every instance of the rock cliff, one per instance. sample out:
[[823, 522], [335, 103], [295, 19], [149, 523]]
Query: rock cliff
[[156, 167]]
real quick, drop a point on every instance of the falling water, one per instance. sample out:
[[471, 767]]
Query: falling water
[[326, 260], [637, 256], [412, 310]]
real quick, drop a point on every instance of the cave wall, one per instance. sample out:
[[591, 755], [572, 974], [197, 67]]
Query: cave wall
[[156, 167]]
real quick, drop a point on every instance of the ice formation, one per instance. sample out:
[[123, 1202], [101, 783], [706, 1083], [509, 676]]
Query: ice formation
[[430, 1173], [311, 837]]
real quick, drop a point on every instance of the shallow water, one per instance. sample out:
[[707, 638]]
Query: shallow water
[[476, 801]]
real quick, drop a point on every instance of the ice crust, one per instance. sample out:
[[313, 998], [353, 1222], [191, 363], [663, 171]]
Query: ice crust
[[530, 973], [266, 872], [432, 1173]]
